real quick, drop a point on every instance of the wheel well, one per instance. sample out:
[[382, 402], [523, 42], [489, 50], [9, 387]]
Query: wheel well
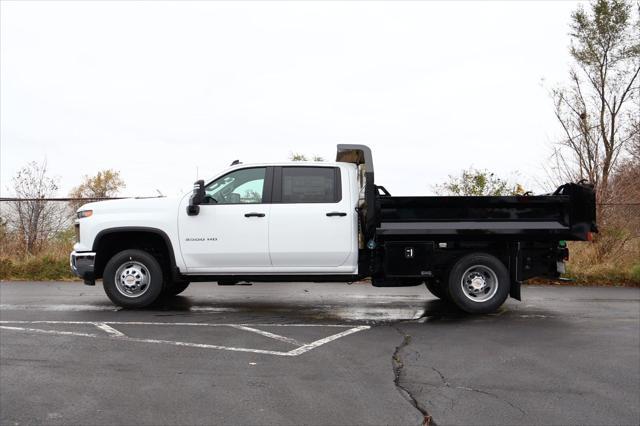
[[154, 242]]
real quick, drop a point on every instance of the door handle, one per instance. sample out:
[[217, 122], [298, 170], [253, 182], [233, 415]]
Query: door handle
[[254, 215], [336, 214]]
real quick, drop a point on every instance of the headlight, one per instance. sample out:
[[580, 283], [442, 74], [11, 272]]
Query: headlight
[[84, 213]]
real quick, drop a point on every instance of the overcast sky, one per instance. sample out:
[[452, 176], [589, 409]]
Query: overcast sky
[[162, 91]]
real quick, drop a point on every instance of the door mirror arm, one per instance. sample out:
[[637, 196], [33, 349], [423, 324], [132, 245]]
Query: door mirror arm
[[196, 199]]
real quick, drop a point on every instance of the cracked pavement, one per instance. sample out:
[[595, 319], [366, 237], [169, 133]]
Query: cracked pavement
[[563, 356]]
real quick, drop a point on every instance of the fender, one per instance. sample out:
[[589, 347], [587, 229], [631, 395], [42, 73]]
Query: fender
[[175, 272]]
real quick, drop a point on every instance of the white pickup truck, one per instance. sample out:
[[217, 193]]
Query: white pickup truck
[[327, 222]]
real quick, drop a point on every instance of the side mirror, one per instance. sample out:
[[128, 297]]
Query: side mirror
[[196, 199]]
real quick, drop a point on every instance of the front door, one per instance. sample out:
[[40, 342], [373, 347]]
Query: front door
[[231, 232]]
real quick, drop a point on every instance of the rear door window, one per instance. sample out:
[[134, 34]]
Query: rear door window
[[311, 185]]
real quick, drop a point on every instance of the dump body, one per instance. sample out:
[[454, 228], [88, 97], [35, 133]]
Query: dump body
[[567, 215]]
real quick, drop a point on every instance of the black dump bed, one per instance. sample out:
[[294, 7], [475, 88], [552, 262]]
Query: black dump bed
[[568, 214]]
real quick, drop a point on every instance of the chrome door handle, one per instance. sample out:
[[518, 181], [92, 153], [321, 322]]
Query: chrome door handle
[[336, 214], [254, 215]]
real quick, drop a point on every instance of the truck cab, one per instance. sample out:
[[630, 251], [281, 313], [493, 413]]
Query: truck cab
[[295, 218]]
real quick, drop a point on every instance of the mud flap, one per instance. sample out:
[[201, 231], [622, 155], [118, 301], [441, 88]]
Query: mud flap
[[514, 270], [515, 290]]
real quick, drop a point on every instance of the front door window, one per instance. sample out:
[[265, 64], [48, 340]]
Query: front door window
[[245, 186]]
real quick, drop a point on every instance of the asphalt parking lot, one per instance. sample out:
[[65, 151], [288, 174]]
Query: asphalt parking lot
[[304, 353]]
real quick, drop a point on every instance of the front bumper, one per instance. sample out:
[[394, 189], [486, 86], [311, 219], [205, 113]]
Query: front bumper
[[82, 264]]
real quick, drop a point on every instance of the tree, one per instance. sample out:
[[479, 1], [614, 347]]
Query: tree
[[478, 182], [296, 156], [105, 184], [34, 219], [598, 110]]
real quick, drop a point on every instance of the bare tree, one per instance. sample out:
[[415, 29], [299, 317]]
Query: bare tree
[[35, 220], [598, 108]]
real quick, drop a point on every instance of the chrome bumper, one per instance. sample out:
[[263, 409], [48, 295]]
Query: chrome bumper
[[82, 265]]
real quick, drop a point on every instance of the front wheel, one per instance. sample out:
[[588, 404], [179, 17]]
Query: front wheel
[[478, 283], [133, 279]]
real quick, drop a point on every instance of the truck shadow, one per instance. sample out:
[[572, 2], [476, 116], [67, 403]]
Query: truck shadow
[[330, 310]]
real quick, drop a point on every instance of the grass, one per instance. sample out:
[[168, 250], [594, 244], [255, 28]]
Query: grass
[[620, 267], [35, 268], [52, 263]]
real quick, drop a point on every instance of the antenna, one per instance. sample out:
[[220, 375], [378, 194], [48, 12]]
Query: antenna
[[236, 162]]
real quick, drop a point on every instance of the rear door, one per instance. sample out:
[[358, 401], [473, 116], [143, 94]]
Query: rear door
[[311, 224]]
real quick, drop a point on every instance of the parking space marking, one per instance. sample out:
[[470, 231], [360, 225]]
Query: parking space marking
[[39, 330], [105, 308], [269, 335], [112, 333], [313, 345], [108, 329]]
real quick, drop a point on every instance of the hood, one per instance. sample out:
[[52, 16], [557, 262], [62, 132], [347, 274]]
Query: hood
[[131, 205]]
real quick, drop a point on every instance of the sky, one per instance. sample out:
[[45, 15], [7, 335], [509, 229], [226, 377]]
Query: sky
[[166, 92]]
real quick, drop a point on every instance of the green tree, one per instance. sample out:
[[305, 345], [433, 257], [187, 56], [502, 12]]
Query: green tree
[[296, 156], [105, 184], [598, 109], [478, 182]]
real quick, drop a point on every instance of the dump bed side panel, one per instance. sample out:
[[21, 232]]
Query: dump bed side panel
[[569, 214]]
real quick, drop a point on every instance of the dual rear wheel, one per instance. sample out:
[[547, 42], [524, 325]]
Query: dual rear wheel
[[477, 283]]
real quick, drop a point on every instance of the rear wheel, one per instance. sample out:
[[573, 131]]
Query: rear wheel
[[133, 279], [479, 283]]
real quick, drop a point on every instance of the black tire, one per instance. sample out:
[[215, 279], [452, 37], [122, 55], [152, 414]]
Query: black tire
[[438, 290], [176, 287], [478, 269], [135, 263]]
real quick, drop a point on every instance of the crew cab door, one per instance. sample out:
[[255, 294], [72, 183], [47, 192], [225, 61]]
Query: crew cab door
[[312, 225], [231, 232]]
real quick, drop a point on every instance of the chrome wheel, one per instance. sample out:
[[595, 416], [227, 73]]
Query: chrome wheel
[[132, 279], [479, 283]]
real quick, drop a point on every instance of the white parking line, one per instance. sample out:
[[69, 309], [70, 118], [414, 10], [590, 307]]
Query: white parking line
[[65, 308], [313, 345], [269, 335], [107, 328], [112, 333], [38, 330], [175, 323], [105, 308]]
